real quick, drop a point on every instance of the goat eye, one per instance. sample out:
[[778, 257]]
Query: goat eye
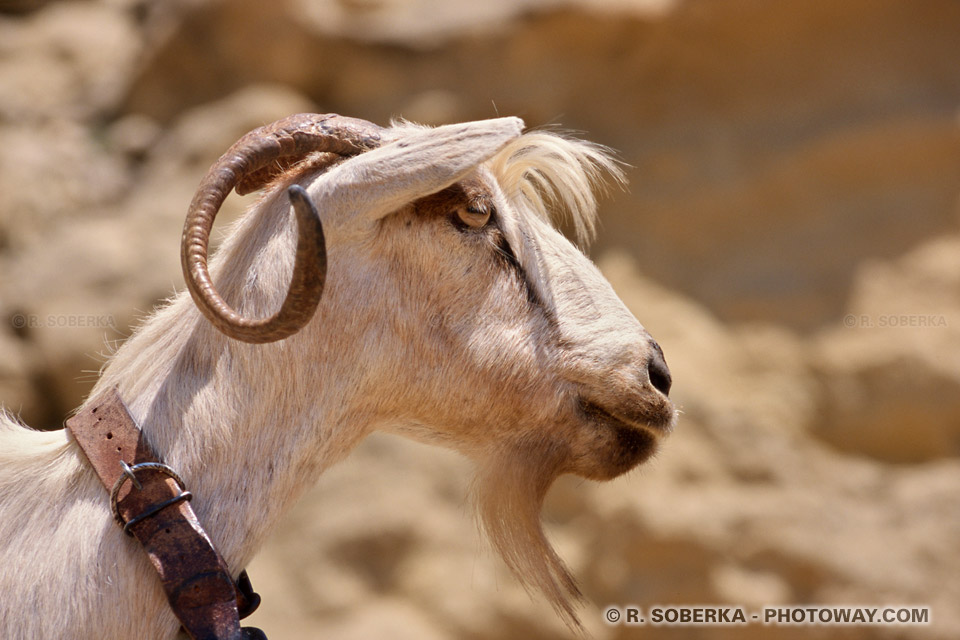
[[472, 216]]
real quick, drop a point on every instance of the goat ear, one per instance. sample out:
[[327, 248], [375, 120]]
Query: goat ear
[[411, 163]]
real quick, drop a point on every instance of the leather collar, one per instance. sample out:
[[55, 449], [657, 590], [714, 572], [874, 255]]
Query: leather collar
[[151, 503]]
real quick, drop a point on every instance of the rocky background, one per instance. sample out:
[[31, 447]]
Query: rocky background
[[791, 236]]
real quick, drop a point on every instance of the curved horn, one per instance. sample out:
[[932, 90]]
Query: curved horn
[[248, 164]]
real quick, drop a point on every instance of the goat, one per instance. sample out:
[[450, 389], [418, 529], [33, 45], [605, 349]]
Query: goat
[[452, 311]]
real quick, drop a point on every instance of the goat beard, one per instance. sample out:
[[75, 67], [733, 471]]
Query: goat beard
[[508, 493]]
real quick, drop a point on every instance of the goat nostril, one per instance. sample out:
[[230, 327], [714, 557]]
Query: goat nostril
[[658, 372]]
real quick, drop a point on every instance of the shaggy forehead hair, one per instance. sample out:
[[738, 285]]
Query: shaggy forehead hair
[[553, 177], [556, 178]]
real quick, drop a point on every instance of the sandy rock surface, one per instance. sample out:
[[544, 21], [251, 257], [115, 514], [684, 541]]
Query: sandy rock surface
[[791, 236]]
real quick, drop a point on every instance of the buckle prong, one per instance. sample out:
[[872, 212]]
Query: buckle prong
[[128, 472]]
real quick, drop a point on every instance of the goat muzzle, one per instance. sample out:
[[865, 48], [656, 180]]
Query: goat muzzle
[[249, 164]]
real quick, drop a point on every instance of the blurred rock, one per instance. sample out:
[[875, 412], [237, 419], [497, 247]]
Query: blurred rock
[[51, 175], [70, 59], [133, 136], [891, 373]]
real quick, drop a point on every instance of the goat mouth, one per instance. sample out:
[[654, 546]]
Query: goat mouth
[[622, 443], [617, 444], [658, 419]]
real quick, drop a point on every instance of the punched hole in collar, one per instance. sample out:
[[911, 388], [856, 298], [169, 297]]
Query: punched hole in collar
[[109, 436]]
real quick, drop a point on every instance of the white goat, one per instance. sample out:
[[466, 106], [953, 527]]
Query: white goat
[[453, 313]]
